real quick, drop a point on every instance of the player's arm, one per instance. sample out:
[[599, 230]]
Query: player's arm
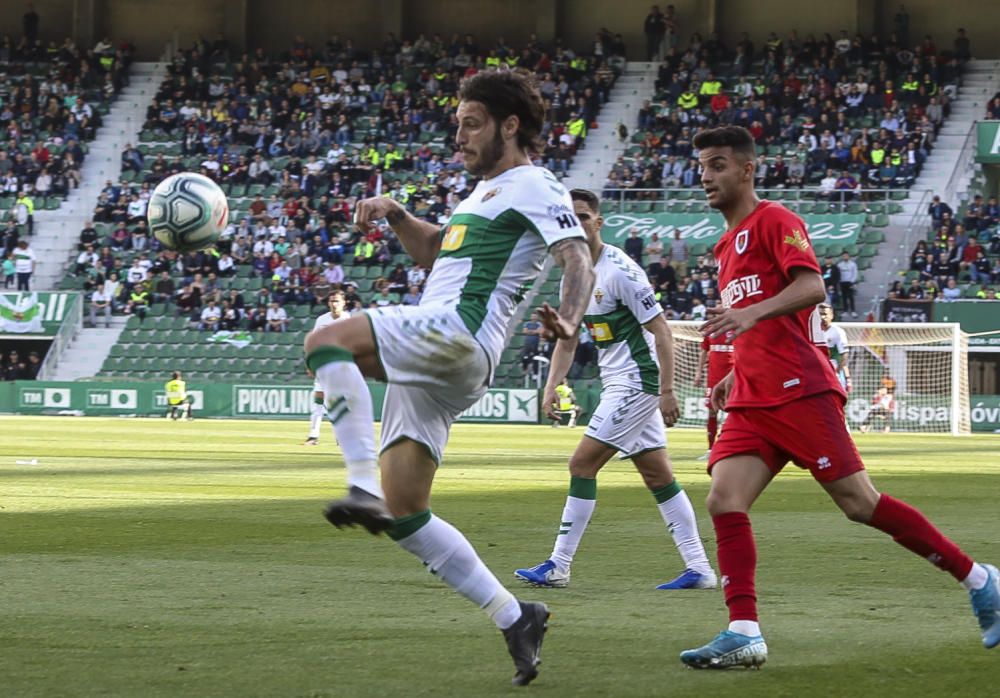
[[573, 255], [420, 239], [562, 358], [664, 341], [805, 290]]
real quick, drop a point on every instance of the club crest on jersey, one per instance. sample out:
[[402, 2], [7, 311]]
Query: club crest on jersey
[[490, 194], [742, 239], [797, 240], [598, 295]]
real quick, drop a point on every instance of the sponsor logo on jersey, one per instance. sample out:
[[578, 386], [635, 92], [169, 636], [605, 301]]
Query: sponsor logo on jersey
[[566, 221], [490, 194], [797, 240], [556, 210], [600, 331], [738, 289], [598, 295], [742, 240], [454, 238], [790, 383], [648, 302]]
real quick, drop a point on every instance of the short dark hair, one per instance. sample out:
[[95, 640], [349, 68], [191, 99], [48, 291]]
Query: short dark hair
[[586, 196], [735, 137], [507, 93]]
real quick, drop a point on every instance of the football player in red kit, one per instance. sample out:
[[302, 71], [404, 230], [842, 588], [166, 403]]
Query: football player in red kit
[[717, 357], [784, 403]]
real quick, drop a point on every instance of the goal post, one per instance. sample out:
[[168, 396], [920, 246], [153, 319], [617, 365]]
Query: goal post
[[923, 367]]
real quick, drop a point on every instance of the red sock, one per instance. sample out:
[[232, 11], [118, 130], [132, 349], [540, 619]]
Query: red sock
[[713, 427], [737, 563], [913, 531]]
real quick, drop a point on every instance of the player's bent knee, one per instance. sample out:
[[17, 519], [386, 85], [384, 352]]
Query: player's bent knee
[[721, 502]]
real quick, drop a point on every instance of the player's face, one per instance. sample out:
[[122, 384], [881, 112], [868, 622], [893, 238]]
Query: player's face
[[826, 317], [590, 221], [725, 176], [479, 138], [336, 305]]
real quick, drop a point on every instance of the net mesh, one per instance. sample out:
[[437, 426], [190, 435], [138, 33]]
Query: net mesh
[[923, 370]]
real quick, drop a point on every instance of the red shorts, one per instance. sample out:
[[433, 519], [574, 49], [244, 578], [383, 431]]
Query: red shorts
[[810, 432]]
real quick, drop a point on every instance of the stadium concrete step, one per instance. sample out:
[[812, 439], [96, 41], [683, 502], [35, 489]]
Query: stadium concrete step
[[103, 162], [87, 351]]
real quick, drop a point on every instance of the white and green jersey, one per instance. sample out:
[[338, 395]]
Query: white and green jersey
[[622, 302], [493, 248], [836, 344]]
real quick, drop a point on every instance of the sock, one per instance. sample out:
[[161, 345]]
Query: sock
[[678, 515], [978, 576], [316, 418], [713, 428], [450, 557], [349, 409], [750, 628], [576, 515], [913, 531], [737, 564]]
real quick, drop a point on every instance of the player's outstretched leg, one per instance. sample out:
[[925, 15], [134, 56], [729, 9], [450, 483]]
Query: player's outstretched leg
[[678, 514], [911, 529], [579, 508], [449, 556], [349, 410]]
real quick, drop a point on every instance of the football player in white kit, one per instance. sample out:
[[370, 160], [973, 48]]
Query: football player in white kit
[[337, 305], [438, 357], [636, 357]]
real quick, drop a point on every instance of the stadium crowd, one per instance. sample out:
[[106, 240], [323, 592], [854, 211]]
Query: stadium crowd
[[52, 98], [295, 140], [960, 257], [839, 114]]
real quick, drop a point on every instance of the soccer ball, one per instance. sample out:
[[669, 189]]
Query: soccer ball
[[187, 212]]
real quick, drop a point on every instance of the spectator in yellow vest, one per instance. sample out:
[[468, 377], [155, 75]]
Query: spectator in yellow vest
[[688, 99], [711, 86], [29, 207]]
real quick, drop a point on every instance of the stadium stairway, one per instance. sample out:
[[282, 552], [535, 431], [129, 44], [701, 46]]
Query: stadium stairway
[[603, 146], [57, 232], [88, 351], [946, 172]]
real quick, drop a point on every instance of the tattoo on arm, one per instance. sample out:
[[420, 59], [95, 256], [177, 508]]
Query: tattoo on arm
[[573, 256], [394, 217]]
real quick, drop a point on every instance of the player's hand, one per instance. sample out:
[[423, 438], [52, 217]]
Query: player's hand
[[848, 386], [367, 211], [697, 379], [554, 325], [310, 373], [731, 322], [669, 408], [720, 393], [549, 402]]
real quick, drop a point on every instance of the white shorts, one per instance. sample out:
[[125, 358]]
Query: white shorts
[[317, 388], [629, 420], [435, 370]]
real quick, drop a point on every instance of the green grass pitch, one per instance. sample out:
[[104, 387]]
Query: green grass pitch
[[150, 558]]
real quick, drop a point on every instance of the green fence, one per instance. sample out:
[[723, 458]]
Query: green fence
[[97, 398], [121, 398]]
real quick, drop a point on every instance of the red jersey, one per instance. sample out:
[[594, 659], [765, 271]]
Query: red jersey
[[720, 358], [784, 358]]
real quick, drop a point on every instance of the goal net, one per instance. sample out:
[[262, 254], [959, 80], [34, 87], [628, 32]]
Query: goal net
[[906, 377]]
